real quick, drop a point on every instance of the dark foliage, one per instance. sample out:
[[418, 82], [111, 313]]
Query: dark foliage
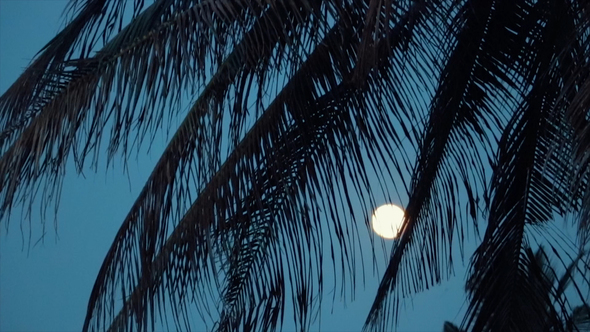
[[481, 104]]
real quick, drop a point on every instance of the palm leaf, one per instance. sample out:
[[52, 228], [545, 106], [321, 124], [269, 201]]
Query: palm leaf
[[542, 275], [146, 80], [21, 102], [462, 110], [529, 184], [255, 223], [167, 185], [333, 84]]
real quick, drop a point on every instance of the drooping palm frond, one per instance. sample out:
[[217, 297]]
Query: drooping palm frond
[[268, 130], [132, 82], [577, 115], [531, 181], [541, 273], [329, 86], [463, 113], [285, 164], [48, 73]]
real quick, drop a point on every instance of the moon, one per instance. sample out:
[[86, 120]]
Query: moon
[[387, 221]]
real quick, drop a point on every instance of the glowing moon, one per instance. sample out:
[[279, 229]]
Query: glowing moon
[[387, 221]]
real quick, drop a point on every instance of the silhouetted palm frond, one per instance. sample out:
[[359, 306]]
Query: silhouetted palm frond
[[527, 306], [530, 182], [50, 72], [311, 99], [279, 177]]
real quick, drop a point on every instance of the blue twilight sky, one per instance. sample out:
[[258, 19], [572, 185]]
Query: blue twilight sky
[[47, 287]]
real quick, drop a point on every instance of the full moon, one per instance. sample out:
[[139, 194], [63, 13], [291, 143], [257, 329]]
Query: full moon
[[387, 221]]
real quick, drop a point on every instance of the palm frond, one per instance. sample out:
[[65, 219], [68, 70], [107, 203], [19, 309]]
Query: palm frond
[[310, 98], [77, 39], [463, 113], [145, 67], [247, 150], [530, 183], [575, 91], [186, 161], [277, 183]]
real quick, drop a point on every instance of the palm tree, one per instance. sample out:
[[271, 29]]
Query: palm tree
[[546, 288], [310, 99]]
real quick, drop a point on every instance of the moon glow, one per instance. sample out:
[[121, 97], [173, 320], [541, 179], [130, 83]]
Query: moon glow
[[387, 221]]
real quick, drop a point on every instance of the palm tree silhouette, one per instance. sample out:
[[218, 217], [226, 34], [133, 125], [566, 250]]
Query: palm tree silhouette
[[546, 295], [483, 102]]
